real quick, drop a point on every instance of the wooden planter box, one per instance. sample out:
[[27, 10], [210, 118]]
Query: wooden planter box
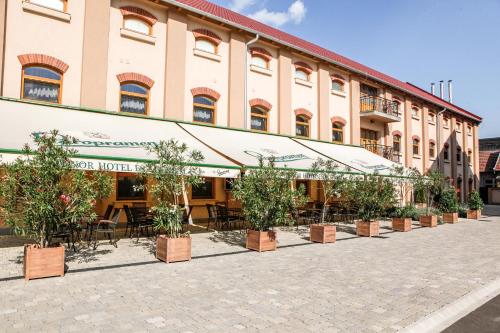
[[450, 217], [322, 233], [173, 249], [429, 221], [368, 229], [261, 240], [473, 214], [43, 262], [401, 224]]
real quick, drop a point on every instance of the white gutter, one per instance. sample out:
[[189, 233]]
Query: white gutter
[[245, 28], [245, 99]]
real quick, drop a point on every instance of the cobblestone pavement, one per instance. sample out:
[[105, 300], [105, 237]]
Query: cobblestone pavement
[[355, 285]]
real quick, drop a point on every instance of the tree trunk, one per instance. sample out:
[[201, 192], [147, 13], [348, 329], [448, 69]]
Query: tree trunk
[[186, 201]]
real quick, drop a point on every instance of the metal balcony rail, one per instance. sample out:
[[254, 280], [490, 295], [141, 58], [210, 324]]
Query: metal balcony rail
[[384, 151], [379, 104]]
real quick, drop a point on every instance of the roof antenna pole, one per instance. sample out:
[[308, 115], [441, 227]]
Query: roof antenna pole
[[245, 98]]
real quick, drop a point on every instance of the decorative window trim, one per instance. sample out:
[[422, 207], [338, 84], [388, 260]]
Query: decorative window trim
[[207, 55], [303, 66], [32, 59], [43, 80], [260, 102], [303, 82], [139, 13], [208, 35], [260, 70], [432, 141], [415, 137], [28, 6], [205, 91], [146, 96], [303, 112], [260, 52], [397, 133], [213, 108], [263, 106], [135, 77], [338, 120], [124, 32]]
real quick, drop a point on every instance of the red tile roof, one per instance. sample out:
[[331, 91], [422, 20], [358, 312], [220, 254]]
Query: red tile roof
[[232, 18], [488, 161]]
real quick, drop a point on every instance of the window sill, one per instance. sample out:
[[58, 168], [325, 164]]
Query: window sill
[[458, 131], [432, 159], [137, 36], [207, 55], [261, 70], [446, 127], [418, 157], [303, 83], [447, 161], [45, 11], [338, 93], [415, 118], [469, 134], [432, 123]]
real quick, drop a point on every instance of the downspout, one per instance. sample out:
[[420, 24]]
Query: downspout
[[245, 98], [438, 137]]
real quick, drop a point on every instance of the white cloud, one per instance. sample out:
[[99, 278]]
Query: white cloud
[[295, 13], [240, 5]]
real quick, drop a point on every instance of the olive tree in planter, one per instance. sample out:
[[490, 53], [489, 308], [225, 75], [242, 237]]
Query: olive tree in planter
[[333, 183], [371, 196], [40, 193], [475, 204], [169, 174], [268, 199], [448, 204], [429, 186], [403, 213]]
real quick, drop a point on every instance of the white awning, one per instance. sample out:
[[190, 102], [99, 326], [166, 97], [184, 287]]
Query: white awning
[[246, 147], [107, 141]]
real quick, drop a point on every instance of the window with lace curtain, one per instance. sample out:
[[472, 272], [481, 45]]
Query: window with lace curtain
[[134, 98], [41, 84]]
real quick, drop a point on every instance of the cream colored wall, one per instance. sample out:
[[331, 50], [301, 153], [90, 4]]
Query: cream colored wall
[[264, 86], [339, 105], [305, 97], [29, 32], [416, 129], [203, 72], [130, 55]]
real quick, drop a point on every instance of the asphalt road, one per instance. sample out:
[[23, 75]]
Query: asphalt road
[[484, 319]]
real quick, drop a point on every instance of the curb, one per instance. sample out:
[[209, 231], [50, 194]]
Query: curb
[[449, 314]]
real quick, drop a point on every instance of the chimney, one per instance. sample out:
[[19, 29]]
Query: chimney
[[433, 88], [441, 89], [450, 91]]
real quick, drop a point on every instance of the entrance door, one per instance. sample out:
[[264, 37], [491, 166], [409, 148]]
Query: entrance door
[[369, 138]]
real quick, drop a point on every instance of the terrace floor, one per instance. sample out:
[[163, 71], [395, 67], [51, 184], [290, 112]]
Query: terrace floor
[[380, 284]]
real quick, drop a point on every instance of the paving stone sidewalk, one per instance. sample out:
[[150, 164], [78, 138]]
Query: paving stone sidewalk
[[355, 285]]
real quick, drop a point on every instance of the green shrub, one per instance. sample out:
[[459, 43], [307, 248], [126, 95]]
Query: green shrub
[[409, 211], [462, 210], [448, 202], [475, 201]]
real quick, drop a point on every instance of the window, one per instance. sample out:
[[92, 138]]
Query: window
[[137, 25], [459, 155], [302, 126], [258, 119], [397, 106], [415, 112], [416, 146], [134, 98], [203, 109], [59, 5], [446, 122], [337, 132], [459, 126], [469, 129], [41, 84], [259, 62], [469, 156], [126, 187], [304, 184], [432, 149], [432, 118], [301, 74], [205, 45], [396, 144], [204, 190], [446, 152], [337, 85]]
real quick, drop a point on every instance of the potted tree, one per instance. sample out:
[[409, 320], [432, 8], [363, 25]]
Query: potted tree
[[169, 174], [371, 196], [333, 182], [403, 214], [428, 187], [268, 198], [40, 193], [448, 204], [476, 204]]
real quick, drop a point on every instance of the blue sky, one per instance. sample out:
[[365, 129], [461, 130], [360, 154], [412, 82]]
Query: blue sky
[[419, 41]]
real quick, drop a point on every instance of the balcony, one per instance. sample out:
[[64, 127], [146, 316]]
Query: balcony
[[379, 109], [384, 151]]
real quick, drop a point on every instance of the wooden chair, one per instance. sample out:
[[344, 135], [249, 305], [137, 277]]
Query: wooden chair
[[108, 228]]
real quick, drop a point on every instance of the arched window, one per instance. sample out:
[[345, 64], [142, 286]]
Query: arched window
[[59, 5], [432, 118], [397, 106], [301, 74], [41, 83], [337, 85], [432, 149], [204, 109], [396, 143], [259, 118], [205, 45], [337, 132], [416, 146], [302, 125], [206, 40], [134, 98], [415, 112], [138, 25], [259, 61], [469, 156], [260, 57], [459, 126], [446, 121], [459, 154], [446, 152]]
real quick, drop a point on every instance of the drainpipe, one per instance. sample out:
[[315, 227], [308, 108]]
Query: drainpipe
[[438, 137], [245, 98]]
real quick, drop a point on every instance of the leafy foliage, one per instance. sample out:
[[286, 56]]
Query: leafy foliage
[[408, 211], [170, 173], [267, 196], [448, 202], [40, 191], [403, 180], [429, 187], [475, 201]]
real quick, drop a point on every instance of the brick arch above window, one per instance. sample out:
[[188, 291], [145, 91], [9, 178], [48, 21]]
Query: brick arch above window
[[446, 144], [336, 77], [415, 137], [303, 66], [206, 92], [339, 120], [32, 59], [135, 77], [260, 102], [432, 141], [397, 133], [139, 13], [303, 112], [207, 34], [260, 52]]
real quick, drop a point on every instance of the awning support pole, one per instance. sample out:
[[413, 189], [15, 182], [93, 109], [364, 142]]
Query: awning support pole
[[186, 201]]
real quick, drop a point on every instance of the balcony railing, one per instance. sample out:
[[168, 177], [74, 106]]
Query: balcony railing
[[384, 151], [379, 108]]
